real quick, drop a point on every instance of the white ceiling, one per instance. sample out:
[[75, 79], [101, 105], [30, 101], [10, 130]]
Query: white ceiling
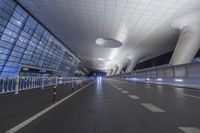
[[143, 26]]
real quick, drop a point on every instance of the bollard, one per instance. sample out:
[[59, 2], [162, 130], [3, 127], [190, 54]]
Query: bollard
[[54, 94]]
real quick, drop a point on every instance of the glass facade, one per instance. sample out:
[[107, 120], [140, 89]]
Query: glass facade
[[24, 41]]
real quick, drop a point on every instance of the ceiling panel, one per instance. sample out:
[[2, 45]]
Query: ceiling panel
[[136, 23]]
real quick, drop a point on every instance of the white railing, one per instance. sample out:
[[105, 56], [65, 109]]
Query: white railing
[[186, 75], [16, 84]]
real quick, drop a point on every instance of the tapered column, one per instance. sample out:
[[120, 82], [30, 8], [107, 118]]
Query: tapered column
[[131, 65], [114, 70], [189, 40], [110, 72], [120, 67]]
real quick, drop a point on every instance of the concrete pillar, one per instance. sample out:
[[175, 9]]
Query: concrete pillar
[[189, 40]]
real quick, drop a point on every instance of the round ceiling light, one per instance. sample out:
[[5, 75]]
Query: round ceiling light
[[108, 42]]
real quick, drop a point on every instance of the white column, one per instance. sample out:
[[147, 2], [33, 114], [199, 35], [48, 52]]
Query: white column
[[116, 70], [120, 67], [131, 65], [110, 73], [189, 40], [113, 70]]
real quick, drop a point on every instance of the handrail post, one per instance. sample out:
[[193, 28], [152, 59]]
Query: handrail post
[[54, 94], [42, 82], [17, 85]]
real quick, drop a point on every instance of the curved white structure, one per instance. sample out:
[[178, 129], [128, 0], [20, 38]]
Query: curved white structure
[[115, 69], [132, 64], [120, 67], [189, 40], [110, 72]]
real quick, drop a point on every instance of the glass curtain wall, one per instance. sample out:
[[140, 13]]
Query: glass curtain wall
[[23, 40]]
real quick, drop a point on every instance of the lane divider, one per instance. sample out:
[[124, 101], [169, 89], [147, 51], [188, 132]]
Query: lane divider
[[187, 95], [28, 121], [149, 106], [152, 107], [134, 97], [119, 89], [115, 86], [125, 92], [190, 129]]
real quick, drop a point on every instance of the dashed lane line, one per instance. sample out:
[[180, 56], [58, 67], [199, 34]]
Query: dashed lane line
[[152, 107], [119, 89], [190, 129], [125, 92], [115, 86], [28, 121], [187, 95], [134, 97]]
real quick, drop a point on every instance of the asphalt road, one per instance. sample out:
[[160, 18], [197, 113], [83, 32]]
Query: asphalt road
[[112, 106]]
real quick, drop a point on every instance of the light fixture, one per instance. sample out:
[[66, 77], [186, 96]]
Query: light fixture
[[108, 42], [147, 79], [159, 79], [178, 80]]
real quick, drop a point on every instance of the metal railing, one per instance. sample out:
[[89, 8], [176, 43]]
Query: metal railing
[[186, 74], [16, 84]]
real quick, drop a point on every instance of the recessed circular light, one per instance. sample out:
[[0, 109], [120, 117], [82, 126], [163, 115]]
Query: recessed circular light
[[108, 42]]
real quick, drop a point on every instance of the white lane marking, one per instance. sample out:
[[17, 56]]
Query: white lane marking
[[152, 107], [26, 122], [125, 92], [134, 97], [119, 89], [187, 95], [190, 129], [179, 88], [115, 86]]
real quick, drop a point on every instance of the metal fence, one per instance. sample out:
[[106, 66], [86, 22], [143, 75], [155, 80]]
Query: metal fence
[[16, 84]]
